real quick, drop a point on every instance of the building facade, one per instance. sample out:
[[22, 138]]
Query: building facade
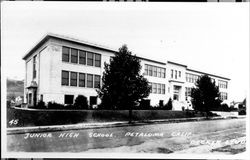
[[59, 68]]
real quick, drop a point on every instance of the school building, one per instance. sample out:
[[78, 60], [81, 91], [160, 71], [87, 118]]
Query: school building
[[59, 68]]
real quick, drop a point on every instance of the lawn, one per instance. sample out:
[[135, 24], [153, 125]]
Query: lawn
[[23, 118]]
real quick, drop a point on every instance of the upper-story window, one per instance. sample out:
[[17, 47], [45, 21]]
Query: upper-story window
[[74, 55], [223, 96], [97, 81], [155, 71], [97, 60], [65, 54], [179, 74], [73, 79], [222, 84], [90, 59], [172, 73], [65, 78], [82, 57], [34, 66], [191, 78], [77, 56], [81, 79], [175, 76], [90, 80]]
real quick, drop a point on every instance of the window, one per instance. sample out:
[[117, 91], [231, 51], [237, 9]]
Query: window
[[90, 81], [172, 73], [97, 60], [223, 96], [154, 71], [34, 66], [163, 88], [180, 74], [159, 88], [150, 85], [154, 86], [97, 81], [73, 79], [68, 99], [163, 72], [150, 70], [30, 98], [65, 78], [146, 69], [65, 54], [159, 72], [90, 59], [222, 84], [74, 55], [175, 74], [92, 100], [81, 79], [82, 57]]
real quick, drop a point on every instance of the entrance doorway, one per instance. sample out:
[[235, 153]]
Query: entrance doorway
[[177, 91]]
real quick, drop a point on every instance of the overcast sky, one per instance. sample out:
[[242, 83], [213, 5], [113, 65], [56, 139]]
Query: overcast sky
[[209, 37]]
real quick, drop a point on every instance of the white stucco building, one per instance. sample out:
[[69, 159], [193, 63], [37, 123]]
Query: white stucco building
[[60, 68]]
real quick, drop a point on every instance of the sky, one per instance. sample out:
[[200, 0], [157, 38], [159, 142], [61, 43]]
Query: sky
[[209, 37]]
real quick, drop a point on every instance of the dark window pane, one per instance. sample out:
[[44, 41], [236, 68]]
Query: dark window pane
[[68, 99], [93, 100], [74, 55], [81, 80], [65, 54], [34, 66], [90, 59], [65, 78], [82, 57], [97, 60], [90, 81], [97, 81], [73, 79]]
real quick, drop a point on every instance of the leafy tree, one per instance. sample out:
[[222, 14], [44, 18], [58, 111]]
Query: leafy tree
[[123, 86], [205, 96], [81, 102]]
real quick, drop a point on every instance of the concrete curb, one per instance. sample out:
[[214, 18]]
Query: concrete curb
[[21, 130]]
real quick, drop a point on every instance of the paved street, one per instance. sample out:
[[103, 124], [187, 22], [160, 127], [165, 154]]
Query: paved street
[[217, 136]]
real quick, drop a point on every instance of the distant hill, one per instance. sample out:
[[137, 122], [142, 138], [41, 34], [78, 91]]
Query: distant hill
[[14, 88]]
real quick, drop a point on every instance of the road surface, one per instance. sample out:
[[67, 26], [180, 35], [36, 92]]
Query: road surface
[[214, 136]]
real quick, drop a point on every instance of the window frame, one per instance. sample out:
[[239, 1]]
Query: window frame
[[63, 54], [73, 57], [63, 78], [88, 81], [90, 59], [73, 80], [82, 80]]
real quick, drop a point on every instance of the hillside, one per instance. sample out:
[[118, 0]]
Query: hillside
[[14, 88]]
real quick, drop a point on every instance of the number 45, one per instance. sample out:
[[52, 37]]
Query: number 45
[[13, 121]]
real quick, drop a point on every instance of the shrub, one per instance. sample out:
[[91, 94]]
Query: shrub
[[81, 102], [190, 113], [41, 104], [169, 105], [54, 105], [242, 112]]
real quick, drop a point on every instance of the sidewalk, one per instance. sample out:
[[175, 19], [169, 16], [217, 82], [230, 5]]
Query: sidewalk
[[53, 128]]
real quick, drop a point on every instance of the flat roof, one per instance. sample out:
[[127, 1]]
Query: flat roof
[[207, 74], [81, 42], [177, 64]]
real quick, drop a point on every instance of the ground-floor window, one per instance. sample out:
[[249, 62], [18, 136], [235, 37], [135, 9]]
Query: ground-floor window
[[93, 100], [68, 99]]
